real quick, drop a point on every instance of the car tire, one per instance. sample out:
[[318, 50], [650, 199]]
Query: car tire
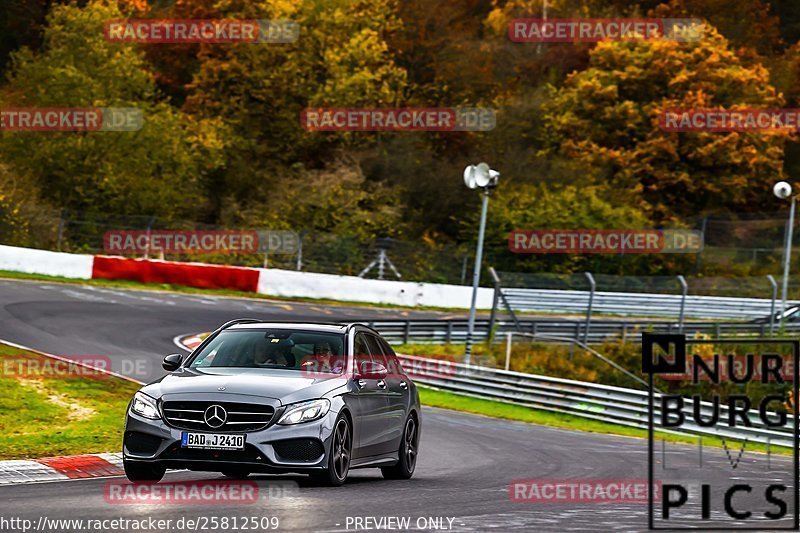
[[135, 471], [409, 447], [235, 473], [339, 457]]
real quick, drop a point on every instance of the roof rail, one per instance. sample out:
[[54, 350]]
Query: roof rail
[[362, 324], [268, 321], [238, 321]]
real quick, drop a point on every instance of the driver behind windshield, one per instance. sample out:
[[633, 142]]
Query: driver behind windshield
[[322, 359], [270, 353]]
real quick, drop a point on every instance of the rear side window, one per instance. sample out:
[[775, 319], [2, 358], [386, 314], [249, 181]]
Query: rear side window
[[375, 349], [393, 363]]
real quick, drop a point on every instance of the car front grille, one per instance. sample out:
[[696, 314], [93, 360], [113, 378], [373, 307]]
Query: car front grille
[[240, 416]]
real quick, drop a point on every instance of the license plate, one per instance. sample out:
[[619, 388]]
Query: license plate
[[212, 441]]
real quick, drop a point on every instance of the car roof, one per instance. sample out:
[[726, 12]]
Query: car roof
[[327, 327]]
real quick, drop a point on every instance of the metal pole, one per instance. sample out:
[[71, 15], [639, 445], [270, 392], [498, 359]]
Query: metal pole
[[544, 17], [476, 277], [300, 251], [508, 349], [592, 286], [149, 229], [381, 260], [496, 297], [786, 259], [684, 290], [772, 306]]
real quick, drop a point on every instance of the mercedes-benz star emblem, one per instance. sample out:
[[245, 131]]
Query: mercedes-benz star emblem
[[215, 416]]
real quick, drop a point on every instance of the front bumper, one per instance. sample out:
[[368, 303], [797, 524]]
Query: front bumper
[[276, 448]]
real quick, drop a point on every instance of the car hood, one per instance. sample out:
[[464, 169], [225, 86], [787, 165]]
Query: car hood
[[286, 386]]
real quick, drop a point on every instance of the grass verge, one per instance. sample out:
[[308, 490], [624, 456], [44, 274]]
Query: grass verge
[[508, 411], [50, 408]]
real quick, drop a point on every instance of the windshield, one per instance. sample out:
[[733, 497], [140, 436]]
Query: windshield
[[274, 348]]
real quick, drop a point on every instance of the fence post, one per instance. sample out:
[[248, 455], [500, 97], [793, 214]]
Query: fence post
[[592, 286], [406, 331], [149, 229], [508, 349], [684, 290], [449, 335], [495, 298], [300, 250], [772, 305]]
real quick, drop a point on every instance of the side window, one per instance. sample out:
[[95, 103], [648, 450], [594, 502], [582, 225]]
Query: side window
[[361, 350], [376, 350], [391, 357]]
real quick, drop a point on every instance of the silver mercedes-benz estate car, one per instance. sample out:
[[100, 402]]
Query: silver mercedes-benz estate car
[[276, 397]]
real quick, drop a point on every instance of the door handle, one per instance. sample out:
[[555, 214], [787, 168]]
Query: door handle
[[382, 384], [403, 385]]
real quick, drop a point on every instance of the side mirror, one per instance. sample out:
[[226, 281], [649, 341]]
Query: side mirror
[[372, 370], [172, 362]]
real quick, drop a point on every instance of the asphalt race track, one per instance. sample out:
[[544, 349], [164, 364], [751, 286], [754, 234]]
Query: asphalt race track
[[466, 462]]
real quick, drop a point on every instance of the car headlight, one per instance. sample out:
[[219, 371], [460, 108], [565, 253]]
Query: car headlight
[[144, 405], [305, 412]]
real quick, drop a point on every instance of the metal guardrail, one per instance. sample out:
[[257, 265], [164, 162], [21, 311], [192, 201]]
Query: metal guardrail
[[455, 330], [637, 304], [616, 405]]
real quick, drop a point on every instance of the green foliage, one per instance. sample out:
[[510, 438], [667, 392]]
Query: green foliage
[[528, 205], [337, 199], [24, 218], [157, 170], [577, 136]]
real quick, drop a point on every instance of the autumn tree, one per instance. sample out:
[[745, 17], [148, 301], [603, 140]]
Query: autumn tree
[[607, 118], [341, 59], [158, 170], [748, 25]]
